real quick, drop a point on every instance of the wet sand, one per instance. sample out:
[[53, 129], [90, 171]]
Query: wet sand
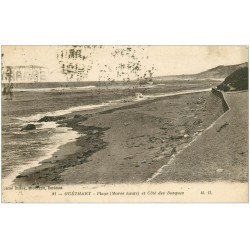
[[128, 143]]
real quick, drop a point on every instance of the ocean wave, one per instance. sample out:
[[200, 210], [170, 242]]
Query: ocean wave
[[63, 135], [53, 89], [136, 98]]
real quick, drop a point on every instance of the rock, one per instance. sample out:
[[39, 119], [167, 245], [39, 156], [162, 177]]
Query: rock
[[238, 80], [199, 101], [144, 161], [22, 176], [125, 123], [95, 131], [173, 151], [222, 126], [29, 127], [168, 151], [176, 137], [219, 170], [128, 157], [197, 122], [162, 149], [51, 118], [186, 135], [158, 158], [152, 139], [77, 116], [86, 116]]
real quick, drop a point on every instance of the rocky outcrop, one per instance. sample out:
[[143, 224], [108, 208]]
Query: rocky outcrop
[[51, 118], [238, 80], [29, 127], [77, 116]]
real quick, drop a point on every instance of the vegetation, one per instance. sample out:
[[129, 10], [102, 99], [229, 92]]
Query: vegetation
[[238, 80]]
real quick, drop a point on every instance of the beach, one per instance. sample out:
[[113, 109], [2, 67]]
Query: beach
[[127, 143], [128, 135], [24, 149]]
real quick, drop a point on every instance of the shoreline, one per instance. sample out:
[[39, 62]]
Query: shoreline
[[63, 113], [62, 169]]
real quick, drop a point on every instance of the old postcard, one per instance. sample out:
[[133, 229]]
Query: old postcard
[[124, 123]]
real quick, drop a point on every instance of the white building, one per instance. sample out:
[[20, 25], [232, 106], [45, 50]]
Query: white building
[[24, 74]]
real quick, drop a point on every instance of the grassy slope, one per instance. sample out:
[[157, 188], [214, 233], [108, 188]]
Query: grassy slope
[[219, 72]]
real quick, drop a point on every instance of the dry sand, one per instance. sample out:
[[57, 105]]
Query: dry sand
[[220, 153], [129, 144]]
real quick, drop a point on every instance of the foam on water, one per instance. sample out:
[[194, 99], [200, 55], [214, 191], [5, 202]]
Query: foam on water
[[53, 89], [62, 136], [60, 112], [48, 125], [183, 92], [111, 87]]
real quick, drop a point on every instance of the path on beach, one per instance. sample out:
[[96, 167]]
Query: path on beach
[[220, 153]]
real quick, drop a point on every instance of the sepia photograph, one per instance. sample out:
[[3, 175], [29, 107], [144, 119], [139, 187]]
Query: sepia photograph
[[99, 123], [124, 125]]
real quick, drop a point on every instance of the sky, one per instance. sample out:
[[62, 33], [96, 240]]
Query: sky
[[166, 60]]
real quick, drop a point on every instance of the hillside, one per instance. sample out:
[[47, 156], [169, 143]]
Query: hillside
[[238, 80], [219, 72]]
